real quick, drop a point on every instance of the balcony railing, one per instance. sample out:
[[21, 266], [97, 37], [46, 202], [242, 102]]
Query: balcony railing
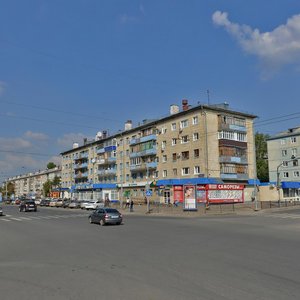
[[107, 172], [147, 152], [81, 175], [151, 137], [233, 159], [105, 161], [81, 166], [237, 176]]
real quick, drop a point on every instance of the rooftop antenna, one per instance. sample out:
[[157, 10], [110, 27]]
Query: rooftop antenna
[[207, 91]]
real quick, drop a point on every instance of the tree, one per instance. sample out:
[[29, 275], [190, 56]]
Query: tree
[[56, 181], [262, 167], [51, 165], [47, 187]]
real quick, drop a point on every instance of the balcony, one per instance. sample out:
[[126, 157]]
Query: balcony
[[107, 161], [81, 175], [151, 137], [233, 159], [147, 152], [107, 172], [106, 149], [80, 166]]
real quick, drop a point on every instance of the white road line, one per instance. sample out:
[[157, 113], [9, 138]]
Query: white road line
[[24, 218], [6, 220], [15, 219]]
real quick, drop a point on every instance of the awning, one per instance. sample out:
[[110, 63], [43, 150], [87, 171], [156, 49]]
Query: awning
[[193, 181], [254, 181], [290, 184], [104, 186]]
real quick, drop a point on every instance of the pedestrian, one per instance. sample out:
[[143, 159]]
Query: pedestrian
[[106, 201], [127, 203], [131, 205]]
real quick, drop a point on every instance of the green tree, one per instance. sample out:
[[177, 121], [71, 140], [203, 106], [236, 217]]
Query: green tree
[[51, 165], [47, 187], [56, 181], [262, 156]]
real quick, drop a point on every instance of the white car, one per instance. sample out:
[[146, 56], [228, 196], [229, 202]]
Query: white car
[[83, 203], [94, 204]]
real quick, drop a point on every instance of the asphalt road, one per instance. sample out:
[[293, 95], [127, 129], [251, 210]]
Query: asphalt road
[[57, 254]]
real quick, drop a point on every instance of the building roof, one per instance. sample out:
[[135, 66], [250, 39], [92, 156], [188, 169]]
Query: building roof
[[288, 133]]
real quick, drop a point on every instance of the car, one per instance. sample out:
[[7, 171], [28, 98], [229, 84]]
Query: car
[[83, 203], [94, 204], [1, 211], [53, 203], [66, 203], [17, 201], [37, 201], [44, 202], [27, 205], [105, 216], [74, 204], [59, 203]]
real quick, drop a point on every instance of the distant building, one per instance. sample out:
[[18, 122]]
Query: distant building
[[283, 160], [31, 184]]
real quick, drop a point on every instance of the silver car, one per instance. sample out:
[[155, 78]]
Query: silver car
[[1, 211]]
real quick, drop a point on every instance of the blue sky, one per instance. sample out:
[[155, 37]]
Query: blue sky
[[71, 68]]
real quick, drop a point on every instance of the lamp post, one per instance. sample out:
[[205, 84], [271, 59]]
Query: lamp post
[[147, 189]]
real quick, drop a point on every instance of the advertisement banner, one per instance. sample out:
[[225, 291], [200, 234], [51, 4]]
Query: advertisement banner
[[190, 198], [225, 193]]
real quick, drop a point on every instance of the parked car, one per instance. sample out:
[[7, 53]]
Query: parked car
[[37, 201], [59, 203], [53, 203], [83, 203], [94, 204], [1, 211], [74, 204], [105, 216], [66, 203], [17, 201], [44, 202], [27, 205]]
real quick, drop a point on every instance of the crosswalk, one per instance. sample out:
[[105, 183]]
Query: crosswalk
[[10, 218]]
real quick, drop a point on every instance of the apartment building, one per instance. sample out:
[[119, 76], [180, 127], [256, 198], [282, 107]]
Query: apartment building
[[201, 146], [31, 184], [283, 161]]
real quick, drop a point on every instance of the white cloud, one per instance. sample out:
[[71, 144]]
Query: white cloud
[[2, 87], [36, 136], [14, 144], [274, 49], [66, 142]]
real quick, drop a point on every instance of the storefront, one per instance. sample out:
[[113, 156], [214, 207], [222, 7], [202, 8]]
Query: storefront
[[199, 191], [95, 191]]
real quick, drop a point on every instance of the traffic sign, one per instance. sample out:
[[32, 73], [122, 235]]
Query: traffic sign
[[148, 193]]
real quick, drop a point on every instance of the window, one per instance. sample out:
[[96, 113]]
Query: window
[[163, 145], [294, 151], [185, 155], [184, 124], [285, 174], [165, 173], [185, 171], [174, 172], [163, 130], [284, 152], [173, 126], [195, 136], [282, 141], [195, 120], [293, 140], [174, 156], [196, 170], [295, 163], [156, 174], [185, 139], [285, 163], [164, 158], [296, 174], [174, 141]]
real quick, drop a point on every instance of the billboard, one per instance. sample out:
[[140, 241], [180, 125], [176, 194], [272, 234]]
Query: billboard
[[189, 198], [225, 193]]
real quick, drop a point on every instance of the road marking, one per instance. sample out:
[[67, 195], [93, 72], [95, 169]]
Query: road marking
[[6, 220], [15, 219], [24, 218], [282, 216]]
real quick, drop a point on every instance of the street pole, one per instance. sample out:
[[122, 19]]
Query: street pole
[[6, 190], [147, 188]]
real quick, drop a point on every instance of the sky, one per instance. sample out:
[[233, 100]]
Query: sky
[[71, 68]]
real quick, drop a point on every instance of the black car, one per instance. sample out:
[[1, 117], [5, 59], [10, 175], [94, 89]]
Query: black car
[[27, 205], [105, 216], [44, 202]]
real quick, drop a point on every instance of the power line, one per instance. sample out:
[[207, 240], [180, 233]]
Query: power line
[[28, 153]]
